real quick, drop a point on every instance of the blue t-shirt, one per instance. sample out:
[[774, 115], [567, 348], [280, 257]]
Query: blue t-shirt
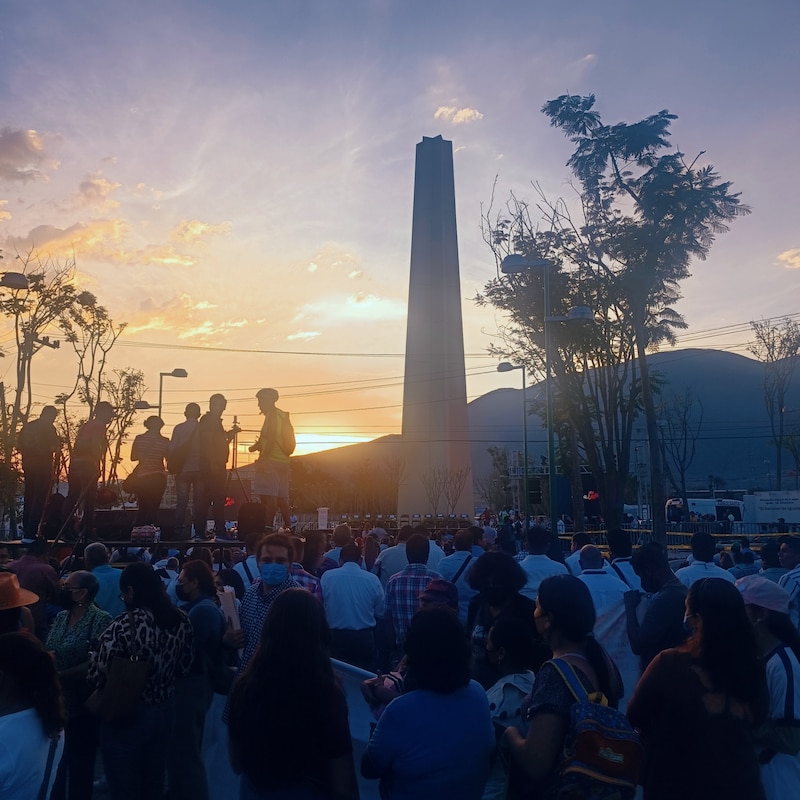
[[432, 746]]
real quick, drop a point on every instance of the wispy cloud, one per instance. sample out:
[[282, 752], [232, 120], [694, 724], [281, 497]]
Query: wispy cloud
[[458, 116], [790, 258], [3, 213], [302, 336], [194, 230]]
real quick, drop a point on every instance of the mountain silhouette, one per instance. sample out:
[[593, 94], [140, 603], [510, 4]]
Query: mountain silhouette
[[734, 442]]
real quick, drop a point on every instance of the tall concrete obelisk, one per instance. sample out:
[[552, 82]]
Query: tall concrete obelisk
[[436, 438]]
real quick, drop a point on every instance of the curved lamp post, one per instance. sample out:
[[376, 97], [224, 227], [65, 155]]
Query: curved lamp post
[[516, 264], [176, 373]]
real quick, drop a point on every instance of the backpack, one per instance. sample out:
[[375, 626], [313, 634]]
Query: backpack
[[602, 752], [284, 434]]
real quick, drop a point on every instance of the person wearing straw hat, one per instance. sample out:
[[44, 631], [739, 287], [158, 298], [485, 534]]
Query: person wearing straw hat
[[14, 601]]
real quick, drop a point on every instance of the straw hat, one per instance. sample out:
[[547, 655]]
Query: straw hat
[[11, 595]]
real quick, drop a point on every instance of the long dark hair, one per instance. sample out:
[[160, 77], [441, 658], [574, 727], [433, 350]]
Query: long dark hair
[[437, 652], [726, 643], [149, 592], [33, 671], [275, 706], [496, 569], [569, 602]]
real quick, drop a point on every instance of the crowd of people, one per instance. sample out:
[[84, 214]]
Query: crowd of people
[[467, 646]]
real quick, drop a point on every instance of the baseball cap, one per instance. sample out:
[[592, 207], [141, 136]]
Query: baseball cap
[[758, 591], [441, 592]]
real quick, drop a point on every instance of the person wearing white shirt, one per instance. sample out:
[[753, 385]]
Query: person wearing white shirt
[[703, 566], [342, 535], [394, 559], [611, 624], [579, 539], [620, 553], [354, 601], [789, 556], [538, 565], [248, 567], [455, 568]]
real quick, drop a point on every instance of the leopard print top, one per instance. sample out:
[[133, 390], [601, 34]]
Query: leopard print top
[[169, 652]]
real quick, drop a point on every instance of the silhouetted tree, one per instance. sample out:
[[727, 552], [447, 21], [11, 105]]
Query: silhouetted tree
[[777, 347], [682, 418], [647, 213]]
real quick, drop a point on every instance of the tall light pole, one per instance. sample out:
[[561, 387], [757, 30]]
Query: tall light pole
[[507, 366], [176, 373], [515, 264]]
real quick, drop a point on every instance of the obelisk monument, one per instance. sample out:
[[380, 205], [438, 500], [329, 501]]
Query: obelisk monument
[[436, 437]]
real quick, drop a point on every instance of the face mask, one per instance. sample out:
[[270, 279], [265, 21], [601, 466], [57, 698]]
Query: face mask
[[181, 593], [65, 599], [273, 574]]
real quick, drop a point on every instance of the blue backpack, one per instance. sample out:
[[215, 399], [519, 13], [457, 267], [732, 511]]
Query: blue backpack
[[602, 752]]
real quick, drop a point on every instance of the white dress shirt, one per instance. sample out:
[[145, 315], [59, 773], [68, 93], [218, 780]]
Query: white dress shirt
[[353, 597]]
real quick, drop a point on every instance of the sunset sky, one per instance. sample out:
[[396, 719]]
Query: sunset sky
[[235, 178]]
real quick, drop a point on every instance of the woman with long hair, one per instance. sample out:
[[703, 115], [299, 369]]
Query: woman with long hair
[[288, 728], [31, 717], [435, 740], [697, 706], [565, 619], [778, 641], [134, 749], [498, 579], [73, 632]]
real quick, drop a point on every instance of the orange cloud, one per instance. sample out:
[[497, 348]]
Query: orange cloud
[[98, 240], [95, 191], [194, 230]]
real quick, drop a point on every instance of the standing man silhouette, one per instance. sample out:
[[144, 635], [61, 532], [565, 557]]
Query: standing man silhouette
[[90, 446], [275, 444], [185, 444], [39, 446], [214, 451]]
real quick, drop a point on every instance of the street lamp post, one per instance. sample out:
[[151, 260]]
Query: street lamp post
[[176, 373], [515, 264], [507, 366]]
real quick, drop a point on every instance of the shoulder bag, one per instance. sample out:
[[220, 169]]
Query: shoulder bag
[[125, 683]]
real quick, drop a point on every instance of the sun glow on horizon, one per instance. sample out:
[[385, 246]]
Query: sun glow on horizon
[[308, 443]]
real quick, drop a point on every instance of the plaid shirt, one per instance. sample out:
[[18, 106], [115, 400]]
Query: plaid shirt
[[402, 597], [306, 580], [253, 612]]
